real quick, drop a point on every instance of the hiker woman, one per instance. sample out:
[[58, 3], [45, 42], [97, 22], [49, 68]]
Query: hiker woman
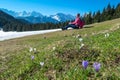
[[77, 24]]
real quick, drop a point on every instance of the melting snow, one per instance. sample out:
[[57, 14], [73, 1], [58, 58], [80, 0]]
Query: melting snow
[[11, 35]]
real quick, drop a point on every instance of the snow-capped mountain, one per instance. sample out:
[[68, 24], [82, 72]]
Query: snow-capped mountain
[[26, 14], [36, 17], [22, 14], [56, 17], [62, 17]]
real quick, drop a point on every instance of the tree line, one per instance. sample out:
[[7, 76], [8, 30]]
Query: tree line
[[108, 13], [33, 27]]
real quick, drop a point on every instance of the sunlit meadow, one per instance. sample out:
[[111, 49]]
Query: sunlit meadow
[[91, 53]]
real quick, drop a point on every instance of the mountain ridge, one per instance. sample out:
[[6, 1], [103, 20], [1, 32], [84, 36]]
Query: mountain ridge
[[37, 17]]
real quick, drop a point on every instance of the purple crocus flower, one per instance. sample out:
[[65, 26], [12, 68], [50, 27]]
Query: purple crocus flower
[[85, 64], [96, 66], [32, 57]]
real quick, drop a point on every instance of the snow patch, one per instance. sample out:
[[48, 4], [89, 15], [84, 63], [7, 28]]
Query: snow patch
[[11, 35]]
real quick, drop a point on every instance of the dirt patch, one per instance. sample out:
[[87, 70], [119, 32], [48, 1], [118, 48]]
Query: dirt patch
[[51, 74], [82, 54], [117, 59]]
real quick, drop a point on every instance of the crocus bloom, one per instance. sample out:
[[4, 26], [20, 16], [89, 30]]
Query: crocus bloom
[[32, 57], [96, 66], [82, 45], [54, 48], [85, 64], [34, 49], [41, 63], [80, 39], [107, 35], [31, 49], [77, 36]]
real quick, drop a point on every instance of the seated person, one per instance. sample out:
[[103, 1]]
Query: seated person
[[77, 24]]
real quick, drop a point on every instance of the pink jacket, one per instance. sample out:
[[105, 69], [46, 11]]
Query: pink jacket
[[78, 22]]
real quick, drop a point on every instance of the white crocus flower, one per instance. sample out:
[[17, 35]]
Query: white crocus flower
[[34, 49], [80, 39], [77, 36], [31, 49], [82, 45], [54, 48], [41, 63], [107, 35]]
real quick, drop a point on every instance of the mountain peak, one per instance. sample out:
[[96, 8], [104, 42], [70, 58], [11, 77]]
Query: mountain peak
[[56, 17], [62, 17]]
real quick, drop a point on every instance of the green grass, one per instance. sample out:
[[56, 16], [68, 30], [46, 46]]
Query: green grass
[[65, 62]]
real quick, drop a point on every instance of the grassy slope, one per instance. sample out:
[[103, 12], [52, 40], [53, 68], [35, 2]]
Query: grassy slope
[[63, 63]]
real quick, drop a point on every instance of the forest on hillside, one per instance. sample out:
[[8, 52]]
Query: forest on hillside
[[108, 13]]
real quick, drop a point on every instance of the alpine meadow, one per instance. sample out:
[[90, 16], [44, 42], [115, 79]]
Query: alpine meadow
[[59, 55], [34, 46]]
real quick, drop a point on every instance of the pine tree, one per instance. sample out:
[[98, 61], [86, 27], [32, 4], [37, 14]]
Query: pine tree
[[88, 18], [117, 11], [97, 17]]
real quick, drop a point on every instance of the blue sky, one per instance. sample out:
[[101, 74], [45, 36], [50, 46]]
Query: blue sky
[[48, 7]]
